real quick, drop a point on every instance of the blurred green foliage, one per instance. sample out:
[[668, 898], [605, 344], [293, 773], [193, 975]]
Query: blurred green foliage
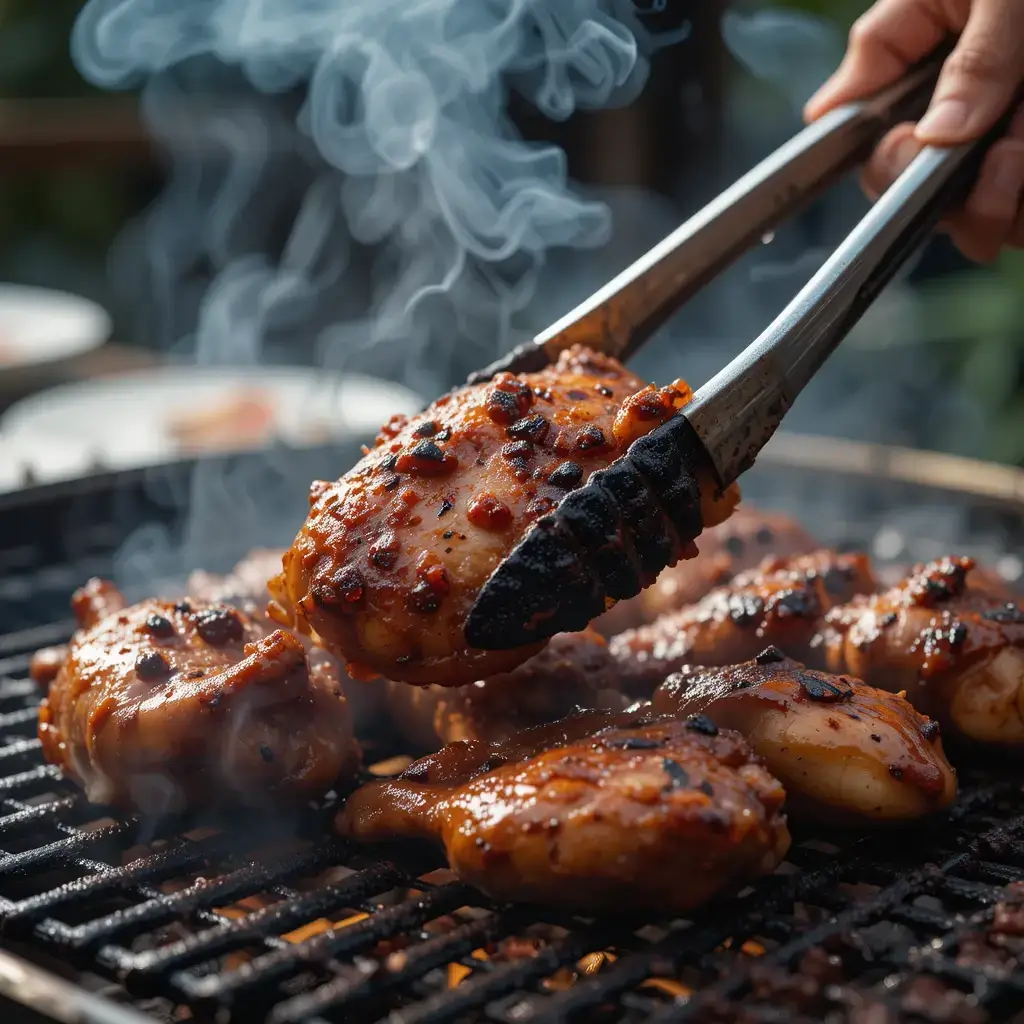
[[62, 220], [971, 322]]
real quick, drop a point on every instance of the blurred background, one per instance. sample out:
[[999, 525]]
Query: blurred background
[[91, 205]]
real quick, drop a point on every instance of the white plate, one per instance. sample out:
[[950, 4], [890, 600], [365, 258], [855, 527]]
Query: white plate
[[39, 326], [128, 420]]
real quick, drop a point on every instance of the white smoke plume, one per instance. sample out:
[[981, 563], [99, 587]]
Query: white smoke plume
[[404, 106], [346, 187]]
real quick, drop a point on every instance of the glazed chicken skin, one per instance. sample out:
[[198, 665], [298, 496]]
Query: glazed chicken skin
[[959, 655], [781, 602], [245, 588], [846, 753], [574, 671], [392, 556], [738, 545], [163, 706], [659, 816]]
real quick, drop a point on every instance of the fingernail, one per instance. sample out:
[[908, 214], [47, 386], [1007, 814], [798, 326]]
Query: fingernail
[[944, 121]]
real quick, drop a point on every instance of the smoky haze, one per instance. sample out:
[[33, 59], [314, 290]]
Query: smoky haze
[[346, 187], [345, 177]]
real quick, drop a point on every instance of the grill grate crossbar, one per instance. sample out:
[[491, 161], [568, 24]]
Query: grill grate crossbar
[[319, 931]]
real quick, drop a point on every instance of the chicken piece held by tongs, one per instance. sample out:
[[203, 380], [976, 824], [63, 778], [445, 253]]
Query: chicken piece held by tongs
[[393, 555]]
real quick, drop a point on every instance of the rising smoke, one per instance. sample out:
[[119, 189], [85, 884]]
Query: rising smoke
[[404, 106], [345, 178], [346, 182]]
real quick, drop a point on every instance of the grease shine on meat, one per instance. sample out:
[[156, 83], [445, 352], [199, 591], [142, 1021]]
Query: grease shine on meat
[[846, 752], [958, 653], [392, 556], [164, 705], [653, 816]]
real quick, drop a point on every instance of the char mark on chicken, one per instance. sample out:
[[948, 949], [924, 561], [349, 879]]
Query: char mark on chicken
[[847, 753]]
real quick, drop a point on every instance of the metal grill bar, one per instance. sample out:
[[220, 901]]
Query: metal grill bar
[[254, 977], [396, 971], [162, 908], [28, 816], [178, 860], [155, 919]]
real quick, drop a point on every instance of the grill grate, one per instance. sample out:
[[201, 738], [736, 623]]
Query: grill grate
[[256, 921], [282, 922]]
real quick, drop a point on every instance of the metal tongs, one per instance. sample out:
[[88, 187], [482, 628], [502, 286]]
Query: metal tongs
[[611, 537]]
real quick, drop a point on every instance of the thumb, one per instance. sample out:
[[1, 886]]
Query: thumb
[[980, 76]]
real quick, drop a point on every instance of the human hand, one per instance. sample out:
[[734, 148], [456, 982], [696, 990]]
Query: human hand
[[979, 81]]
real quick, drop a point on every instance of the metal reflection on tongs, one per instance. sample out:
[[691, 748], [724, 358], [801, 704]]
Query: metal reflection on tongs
[[589, 549]]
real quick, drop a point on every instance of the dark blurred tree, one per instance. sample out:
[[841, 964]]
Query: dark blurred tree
[[55, 223]]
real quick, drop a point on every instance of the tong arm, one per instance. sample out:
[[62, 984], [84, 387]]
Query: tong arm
[[739, 409], [622, 315]]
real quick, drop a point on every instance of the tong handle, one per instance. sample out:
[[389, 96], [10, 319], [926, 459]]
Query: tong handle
[[620, 317], [739, 409]]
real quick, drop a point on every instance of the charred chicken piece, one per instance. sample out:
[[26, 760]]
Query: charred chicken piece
[[958, 655], [846, 753], [162, 706], [659, 816], [245, 588], [781, 603], [574, 671], [392, 556], [738, 545]]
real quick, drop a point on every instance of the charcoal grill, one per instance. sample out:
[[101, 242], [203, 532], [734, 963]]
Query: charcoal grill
[[110, 920]]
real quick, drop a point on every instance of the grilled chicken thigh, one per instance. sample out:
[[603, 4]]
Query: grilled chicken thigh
[[574, 671], [392, 555], [845, 752], [166, 705], [738, 545], [959, 655], [245, 588], [781, 602], [645, 816]]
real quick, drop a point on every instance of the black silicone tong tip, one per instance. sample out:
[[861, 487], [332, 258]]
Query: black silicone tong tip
[[605, 542]]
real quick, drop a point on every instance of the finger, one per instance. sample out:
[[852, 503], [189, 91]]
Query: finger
[[979, 77], [890, 159], [883, 44], [986, 222]]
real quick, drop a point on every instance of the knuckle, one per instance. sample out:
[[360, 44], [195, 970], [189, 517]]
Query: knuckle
[[977, 64], [863, 32]]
